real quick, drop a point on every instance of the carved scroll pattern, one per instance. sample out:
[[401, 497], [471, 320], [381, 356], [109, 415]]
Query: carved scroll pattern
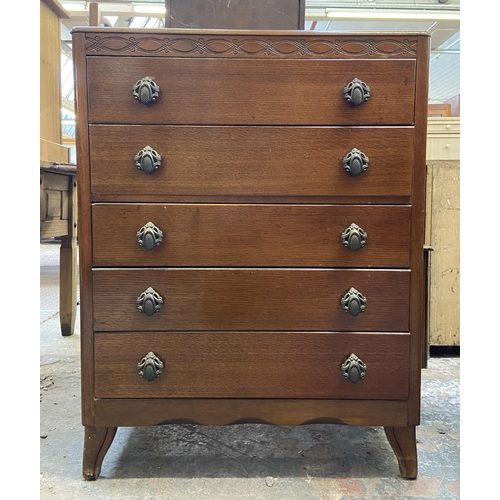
[[286, 47]]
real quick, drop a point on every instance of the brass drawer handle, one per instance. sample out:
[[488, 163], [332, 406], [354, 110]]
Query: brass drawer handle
[[354, 237], [353, 302], [150, 366], [149, 302], [353, 369], [355, 162], [147, 160], [149, 236], [356, 92], [146, 90]]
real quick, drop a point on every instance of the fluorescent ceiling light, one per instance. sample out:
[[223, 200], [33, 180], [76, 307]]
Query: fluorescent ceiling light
[[149, 9], [371, 15]]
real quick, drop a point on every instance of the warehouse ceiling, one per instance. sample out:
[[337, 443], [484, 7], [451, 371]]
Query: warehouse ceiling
[[441, 18]]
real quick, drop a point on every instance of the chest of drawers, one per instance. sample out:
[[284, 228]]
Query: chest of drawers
[[251, 210]]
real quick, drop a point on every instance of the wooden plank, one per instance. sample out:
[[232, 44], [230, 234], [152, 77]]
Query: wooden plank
[[417, 231], [250, 299], [53, 152], [54, 205], [55, 6], [53, 228], [50, 75], [84, 229], [56, 182], [137, 412], [444, 300], [94, 14]]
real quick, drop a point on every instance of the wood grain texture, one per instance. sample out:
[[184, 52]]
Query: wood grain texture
[[84, 231], [252, 128], [250, 299], [95, 446], [417, 231], [250, 235], [209, 91], [242, 14], [444, 232], [404, 444], [219, 411], [253, 365], [50, 74], [251, 161]]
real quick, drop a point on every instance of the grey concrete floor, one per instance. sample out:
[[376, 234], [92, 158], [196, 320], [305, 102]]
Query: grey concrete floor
[[235, 462]]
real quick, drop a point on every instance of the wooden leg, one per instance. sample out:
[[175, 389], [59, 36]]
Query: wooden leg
[[404, 444], [96, 445], [67, 266], [67, 285]]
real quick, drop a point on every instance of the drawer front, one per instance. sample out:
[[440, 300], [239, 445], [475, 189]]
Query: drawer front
[[250, 91], [251, 365], [250, 161], [195, 235], [250, 299]]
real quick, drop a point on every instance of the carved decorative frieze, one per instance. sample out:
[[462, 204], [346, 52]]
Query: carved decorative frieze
[[197, 46]]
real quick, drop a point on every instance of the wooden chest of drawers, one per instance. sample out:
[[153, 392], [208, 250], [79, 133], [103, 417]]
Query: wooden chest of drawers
[[251, 211]]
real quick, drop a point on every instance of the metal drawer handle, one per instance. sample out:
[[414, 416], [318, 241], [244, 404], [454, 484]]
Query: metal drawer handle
[[353, 369], [353, 302], [146, 90], [355, 162], [150, 366], [149, 302], [149, 236], [147, 160], [354, 237], [356, 92]]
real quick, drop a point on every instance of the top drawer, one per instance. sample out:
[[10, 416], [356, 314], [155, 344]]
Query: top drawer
[[250, 91]]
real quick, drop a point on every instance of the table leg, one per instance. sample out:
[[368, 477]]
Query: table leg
[[68, 268]]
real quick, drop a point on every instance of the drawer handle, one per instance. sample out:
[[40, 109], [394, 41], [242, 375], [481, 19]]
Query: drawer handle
[[146, 90], [353, 369], [356, 92], [355, 162], [149, 302], [354, 237], [150, 366], [147, 160], [149, 236], [353, 302]]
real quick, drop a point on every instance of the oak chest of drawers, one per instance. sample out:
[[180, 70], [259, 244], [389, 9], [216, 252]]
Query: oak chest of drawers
[[251, 210]]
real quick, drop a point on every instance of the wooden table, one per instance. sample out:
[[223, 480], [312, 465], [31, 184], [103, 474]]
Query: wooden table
[[58, 216]]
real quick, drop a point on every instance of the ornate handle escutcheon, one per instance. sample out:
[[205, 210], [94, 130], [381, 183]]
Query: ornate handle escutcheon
[[149, 302], [353, 302], [149, 236], [353, 369], [356, 92], [150, 366], [355, 162], [147, 160], [146, 90], [354, 237]]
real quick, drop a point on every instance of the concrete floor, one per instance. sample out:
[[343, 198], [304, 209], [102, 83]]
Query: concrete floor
[[235, 462]]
